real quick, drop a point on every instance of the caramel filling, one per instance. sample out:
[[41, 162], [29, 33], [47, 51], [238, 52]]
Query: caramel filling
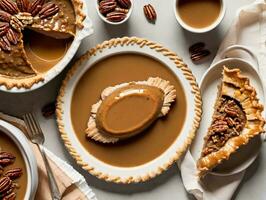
[[129, 110], [199, 13], [228, 121]]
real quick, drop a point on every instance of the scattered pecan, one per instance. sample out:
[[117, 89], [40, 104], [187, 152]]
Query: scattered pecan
[[124, 3], [48, 10], [196, 47], [4, 16], [199, 55], [116, 16], [5, 184], [23, 5], [49, 110], [9, 6], [219, 128], [6, 158], [150, 12], [14, 173], [11, 196], [106, 6], [230, 121], [4, 26]]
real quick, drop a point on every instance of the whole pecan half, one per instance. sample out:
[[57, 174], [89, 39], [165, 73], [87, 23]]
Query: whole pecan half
[[4, 16], [14, 173], [124, 3], [48, 10], [11, 196], [106, 6], [150, 12], [116, 16], [9, 6], [196, 47], [4, 26], [5, 184], [23, 5], [35, 7], [199, 55], [5, 157], [49, 109]]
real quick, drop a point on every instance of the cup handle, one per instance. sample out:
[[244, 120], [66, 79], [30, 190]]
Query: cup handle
[[243, 48]]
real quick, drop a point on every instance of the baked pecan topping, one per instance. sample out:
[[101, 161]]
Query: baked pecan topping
[[19, 14], [228, 122], [11, 196], [14, 173], [6, 158], [5, 184]]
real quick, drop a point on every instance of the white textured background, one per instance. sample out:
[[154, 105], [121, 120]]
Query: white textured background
[[167, 32]]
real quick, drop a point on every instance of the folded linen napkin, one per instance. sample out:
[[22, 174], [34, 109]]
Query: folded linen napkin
[[72, 185], [249, 29]]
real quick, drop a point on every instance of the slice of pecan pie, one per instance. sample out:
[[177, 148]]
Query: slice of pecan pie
[[55, 18], [237, 118]]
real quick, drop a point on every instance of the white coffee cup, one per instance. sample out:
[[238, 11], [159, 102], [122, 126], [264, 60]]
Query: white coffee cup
[[200, 30]]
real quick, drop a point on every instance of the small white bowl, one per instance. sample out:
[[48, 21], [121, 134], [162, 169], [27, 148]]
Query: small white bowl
[[200, 30], [114, 23], [27, 153]]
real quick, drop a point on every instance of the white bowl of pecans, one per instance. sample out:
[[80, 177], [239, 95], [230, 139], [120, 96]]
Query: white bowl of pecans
[[114, 12]]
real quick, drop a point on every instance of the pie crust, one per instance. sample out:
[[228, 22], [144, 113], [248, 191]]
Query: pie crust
[[169, 97], [46, 17], [242, 99], [141, 43]]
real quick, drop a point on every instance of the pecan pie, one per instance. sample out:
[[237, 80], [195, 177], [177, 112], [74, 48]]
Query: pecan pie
[[236, 120], [55, 18], [128, 109]]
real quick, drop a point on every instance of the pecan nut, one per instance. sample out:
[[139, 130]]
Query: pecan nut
[[25, 18], [14, 173], [5, 184], [150, 12], [9, 6], [23, 5], [106, 6], [124, 3], [4, 26], [48, 10], [5, 157], [230, 111], [16, 23], [196, 47], [35, 7], [4, 16], [11, 196], [49, 110], [197, 56], [116, 16], [123, 10]]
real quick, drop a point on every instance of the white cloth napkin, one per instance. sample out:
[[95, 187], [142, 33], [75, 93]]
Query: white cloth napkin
[[249, 29]]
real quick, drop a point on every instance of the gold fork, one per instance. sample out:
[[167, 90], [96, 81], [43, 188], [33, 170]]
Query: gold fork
[[36, 136]]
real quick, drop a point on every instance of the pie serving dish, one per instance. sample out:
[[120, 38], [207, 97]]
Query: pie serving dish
[[123, 171], [21, 142], [26, 64], [246, 155]]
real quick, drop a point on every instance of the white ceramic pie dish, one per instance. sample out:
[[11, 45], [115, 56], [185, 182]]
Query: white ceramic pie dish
[[247, 154], [22, 143], [153, 168], [58, 68]]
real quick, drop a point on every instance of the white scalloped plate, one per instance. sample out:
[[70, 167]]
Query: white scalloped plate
[[60, 66], [126, 174], [246, 155]]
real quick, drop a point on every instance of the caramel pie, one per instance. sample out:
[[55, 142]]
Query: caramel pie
[[127, 109], [54, 18], [236, 120]]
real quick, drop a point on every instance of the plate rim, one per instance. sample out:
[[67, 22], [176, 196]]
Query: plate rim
[[184, 70]]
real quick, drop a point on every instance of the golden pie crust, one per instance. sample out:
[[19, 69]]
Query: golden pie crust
[[169, 97], [126, 41], [16, 70], [237, 87]]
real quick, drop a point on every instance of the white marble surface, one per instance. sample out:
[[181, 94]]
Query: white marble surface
[[167, 32]]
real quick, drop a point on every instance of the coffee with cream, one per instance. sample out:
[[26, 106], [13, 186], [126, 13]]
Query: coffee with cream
[[199, 13]]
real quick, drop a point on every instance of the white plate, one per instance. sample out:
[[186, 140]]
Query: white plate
[[58, 68], [208, 86], [22, 142], [151, 169]]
